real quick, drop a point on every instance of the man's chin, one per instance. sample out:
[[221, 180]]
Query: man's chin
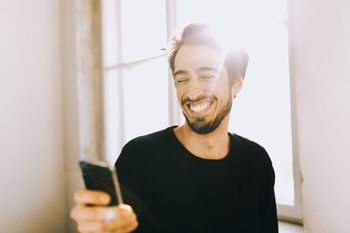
[[201, 127]]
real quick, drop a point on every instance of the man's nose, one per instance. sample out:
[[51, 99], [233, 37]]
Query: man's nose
[[195, 89]]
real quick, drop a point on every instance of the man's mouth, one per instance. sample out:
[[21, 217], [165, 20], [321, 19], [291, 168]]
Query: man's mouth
[[199, 107]]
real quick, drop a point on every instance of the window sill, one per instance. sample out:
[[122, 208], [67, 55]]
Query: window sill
[[285, 227]]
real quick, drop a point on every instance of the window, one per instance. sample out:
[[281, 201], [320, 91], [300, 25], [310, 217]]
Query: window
[[139, 94], [135, 72]]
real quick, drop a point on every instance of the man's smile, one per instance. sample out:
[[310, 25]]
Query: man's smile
[[199, 108]]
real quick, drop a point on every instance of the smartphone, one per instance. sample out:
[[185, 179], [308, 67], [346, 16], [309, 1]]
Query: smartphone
[[99, 176]]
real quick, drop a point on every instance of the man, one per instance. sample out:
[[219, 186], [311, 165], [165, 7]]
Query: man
[[196, 177]]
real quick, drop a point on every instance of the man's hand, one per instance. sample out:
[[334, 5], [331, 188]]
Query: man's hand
[[100, 218]]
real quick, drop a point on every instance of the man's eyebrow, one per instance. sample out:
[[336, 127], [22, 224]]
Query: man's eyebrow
[[180, 72], [203, 69]]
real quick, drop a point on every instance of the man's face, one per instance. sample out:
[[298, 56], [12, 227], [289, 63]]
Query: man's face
[[203, 88]]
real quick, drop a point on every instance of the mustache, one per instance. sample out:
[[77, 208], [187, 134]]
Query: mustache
[[187, 100]]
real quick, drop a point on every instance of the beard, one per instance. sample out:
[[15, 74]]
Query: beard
[[201, 126]]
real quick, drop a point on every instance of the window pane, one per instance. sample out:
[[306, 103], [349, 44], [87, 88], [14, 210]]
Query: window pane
[[110, 33], [143, 28], [145, 98], [113, 119], [231, 14]]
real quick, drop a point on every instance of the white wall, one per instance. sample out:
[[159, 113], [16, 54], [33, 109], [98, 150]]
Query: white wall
[[321, 40], [32, 177]]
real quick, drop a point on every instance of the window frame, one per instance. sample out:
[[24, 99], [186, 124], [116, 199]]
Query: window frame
[[286, 212]]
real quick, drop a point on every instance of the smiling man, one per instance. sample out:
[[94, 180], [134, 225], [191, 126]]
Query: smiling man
[[197, 177]]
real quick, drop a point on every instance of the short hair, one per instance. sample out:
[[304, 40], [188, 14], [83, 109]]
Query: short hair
[[236, 61]]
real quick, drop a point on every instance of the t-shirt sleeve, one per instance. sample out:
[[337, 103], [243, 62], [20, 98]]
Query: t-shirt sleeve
[[269, 213], [131, 169]]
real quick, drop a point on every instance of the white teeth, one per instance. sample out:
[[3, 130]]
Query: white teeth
[[199, 107]]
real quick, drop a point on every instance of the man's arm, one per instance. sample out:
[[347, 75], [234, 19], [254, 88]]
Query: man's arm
[[132, 173], [92, 215], [269, 213]]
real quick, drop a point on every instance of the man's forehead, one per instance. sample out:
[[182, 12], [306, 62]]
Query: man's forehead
[[199, 70], [198, 57]]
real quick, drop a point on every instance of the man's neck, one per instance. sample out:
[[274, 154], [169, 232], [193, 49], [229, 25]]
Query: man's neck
[[214, 145]]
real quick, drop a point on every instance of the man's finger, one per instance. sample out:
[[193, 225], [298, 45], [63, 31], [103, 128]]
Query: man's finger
[[130, 227], [90, 226], [87, 213], [127, 225], [94, 213], [85, 196], [126, 221]]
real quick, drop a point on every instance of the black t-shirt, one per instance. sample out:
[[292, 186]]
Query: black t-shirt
[[172, 190]]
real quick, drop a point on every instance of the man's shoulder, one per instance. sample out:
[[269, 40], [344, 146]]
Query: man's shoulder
[[250, 149], [146, 147], [151, 138], [245, 142]]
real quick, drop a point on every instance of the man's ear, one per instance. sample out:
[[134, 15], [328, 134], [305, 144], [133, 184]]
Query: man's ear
[[237, 86]]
